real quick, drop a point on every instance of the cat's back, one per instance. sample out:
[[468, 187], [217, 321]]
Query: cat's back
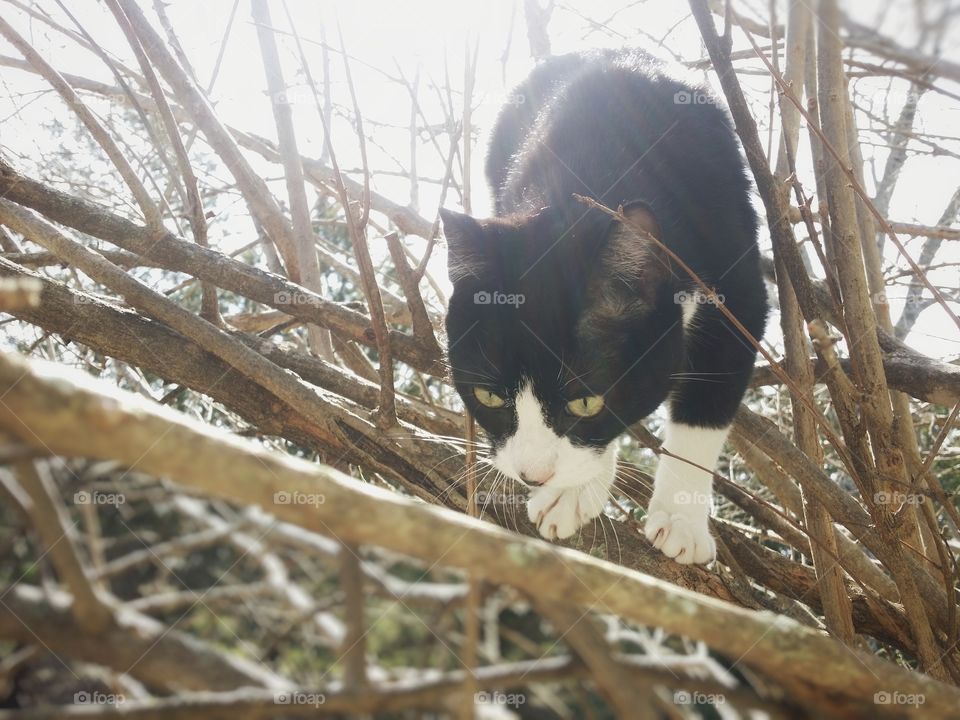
[[616, 125]]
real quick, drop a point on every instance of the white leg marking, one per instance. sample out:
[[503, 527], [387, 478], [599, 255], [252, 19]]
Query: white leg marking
[[677, 519]]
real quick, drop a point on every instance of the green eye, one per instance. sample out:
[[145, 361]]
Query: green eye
[[586, 406], [488, 399]]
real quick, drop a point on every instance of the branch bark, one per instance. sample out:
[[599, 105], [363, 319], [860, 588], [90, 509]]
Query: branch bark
[[205, 264], [65, 411]]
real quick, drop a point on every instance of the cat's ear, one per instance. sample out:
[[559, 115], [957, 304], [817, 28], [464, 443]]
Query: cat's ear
[[641, 223], [632, 258], [464, 236]]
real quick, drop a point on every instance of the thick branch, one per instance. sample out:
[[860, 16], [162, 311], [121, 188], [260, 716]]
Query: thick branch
[[73, 416], [917, 375], [205, 264], [121, 333]]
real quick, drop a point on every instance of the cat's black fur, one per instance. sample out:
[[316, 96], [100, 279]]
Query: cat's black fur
[[599, 312]]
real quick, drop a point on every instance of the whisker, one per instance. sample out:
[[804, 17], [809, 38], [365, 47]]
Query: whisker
[[633, 494], [616, 536], [491, 495], [633, 475], [632, 498], [451, 456], [483, 354], [475, 373], [435, 438], [574, 378], [452, 485]]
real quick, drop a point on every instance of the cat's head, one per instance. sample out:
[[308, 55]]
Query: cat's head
[[562, 332]]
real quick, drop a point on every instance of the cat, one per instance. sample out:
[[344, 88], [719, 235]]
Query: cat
[[566, 326]]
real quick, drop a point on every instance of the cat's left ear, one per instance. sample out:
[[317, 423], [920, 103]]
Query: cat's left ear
[[631, 252], [464, 236], [641, 225]]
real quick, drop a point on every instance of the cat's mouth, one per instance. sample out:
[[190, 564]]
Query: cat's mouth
[[571, 466]]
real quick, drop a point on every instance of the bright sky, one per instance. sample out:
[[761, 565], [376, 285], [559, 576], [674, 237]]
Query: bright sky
[[390, 37]]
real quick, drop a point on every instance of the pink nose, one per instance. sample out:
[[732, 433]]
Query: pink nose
[[541, 479]]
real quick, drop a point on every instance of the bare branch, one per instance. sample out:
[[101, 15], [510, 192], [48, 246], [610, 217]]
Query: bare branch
[[193, 455]]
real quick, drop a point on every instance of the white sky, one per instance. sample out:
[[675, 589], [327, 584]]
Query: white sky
[[425, 33]]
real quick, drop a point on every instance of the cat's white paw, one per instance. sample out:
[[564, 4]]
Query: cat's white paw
[[559, 512], [685, 537]]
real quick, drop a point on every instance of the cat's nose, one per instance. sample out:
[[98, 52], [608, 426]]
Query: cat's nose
[[541, 479]]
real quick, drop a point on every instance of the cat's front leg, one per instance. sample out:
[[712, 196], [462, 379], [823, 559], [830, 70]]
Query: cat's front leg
[[678, 517], [559, 512]]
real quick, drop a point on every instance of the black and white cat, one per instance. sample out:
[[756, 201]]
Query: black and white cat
[[565, 326]]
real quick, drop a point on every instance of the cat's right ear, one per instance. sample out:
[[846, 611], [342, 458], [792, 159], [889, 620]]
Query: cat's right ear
[[465, 257]]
